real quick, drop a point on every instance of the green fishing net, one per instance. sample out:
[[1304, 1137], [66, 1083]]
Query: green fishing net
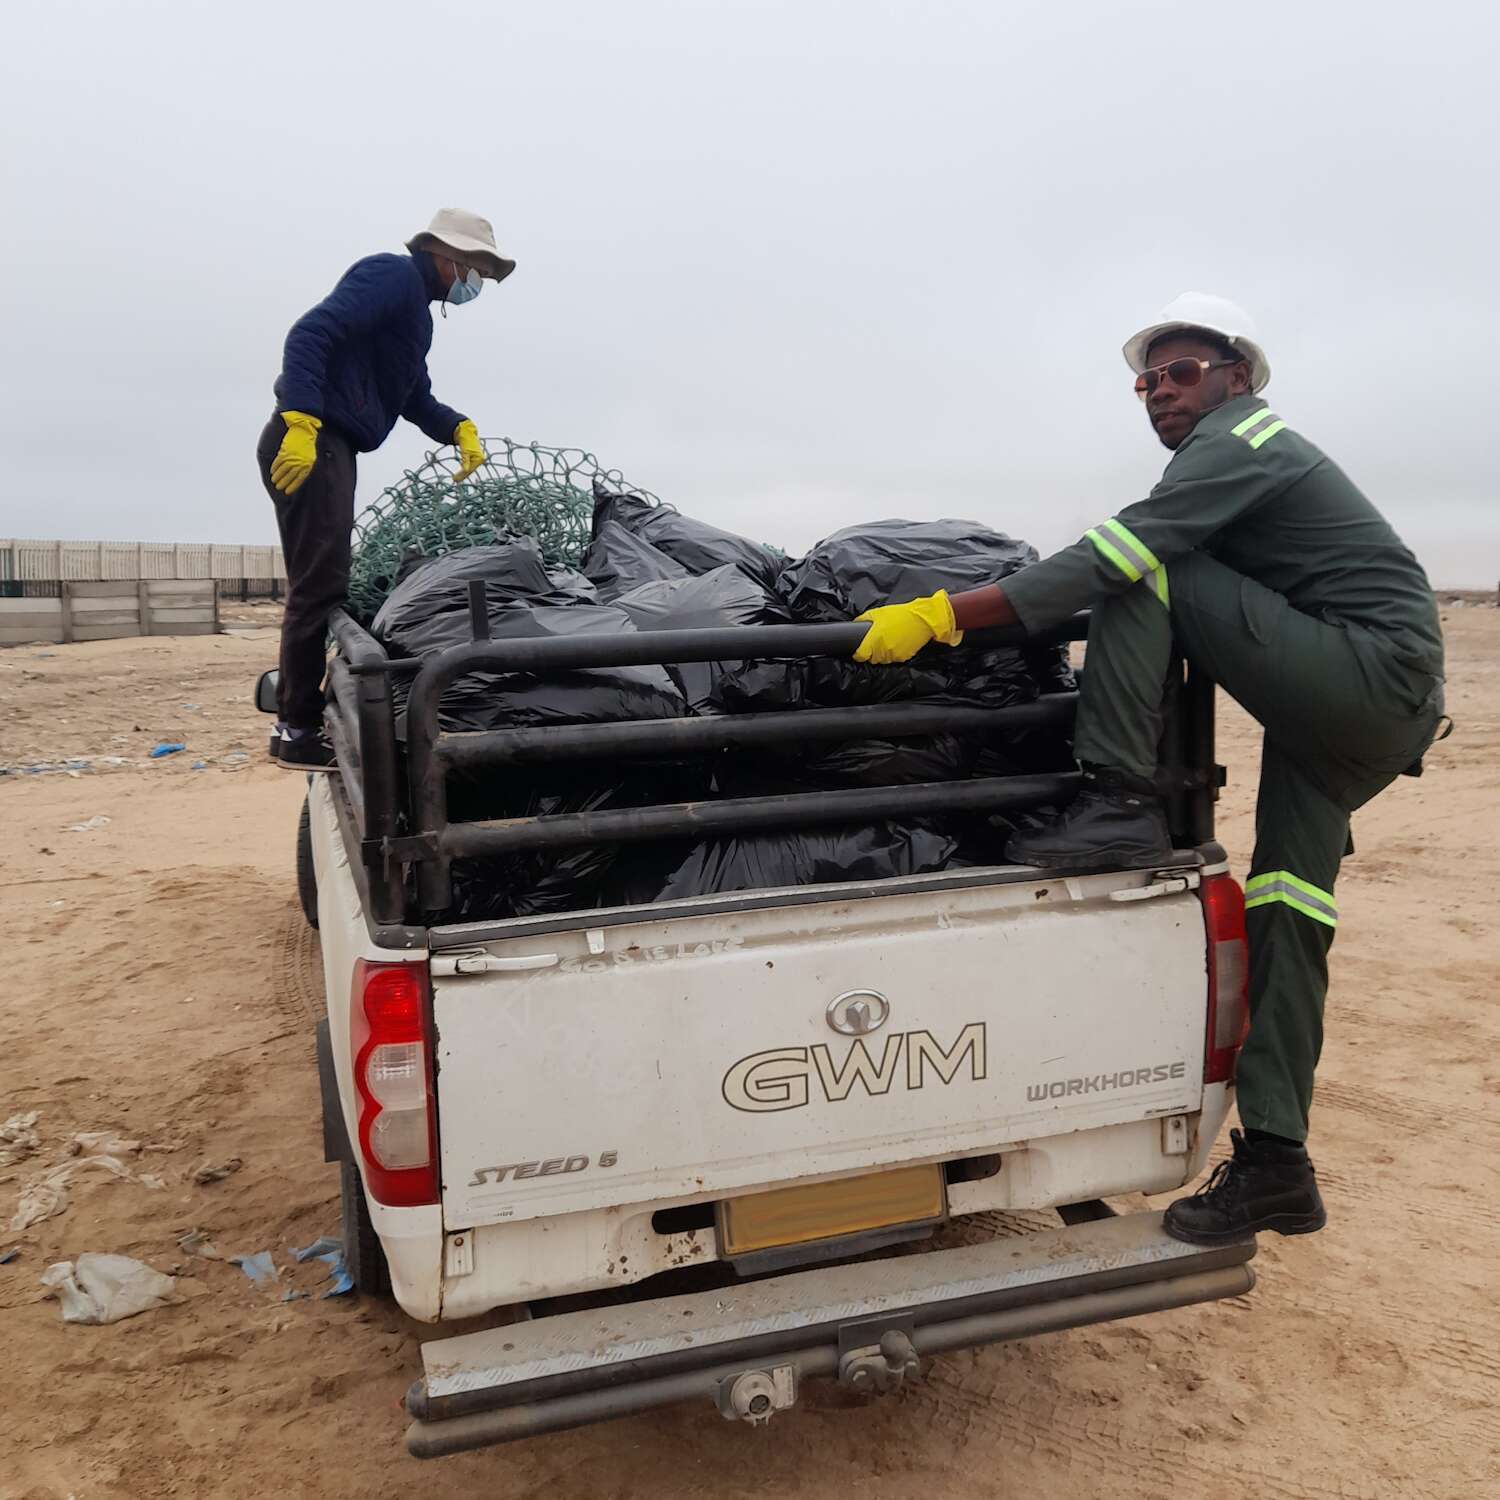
[[524, 490]]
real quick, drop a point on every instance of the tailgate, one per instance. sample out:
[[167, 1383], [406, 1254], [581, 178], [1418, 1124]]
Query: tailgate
[[699, 1054]]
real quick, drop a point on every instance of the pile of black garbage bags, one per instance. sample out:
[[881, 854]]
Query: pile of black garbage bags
[[651, 568]]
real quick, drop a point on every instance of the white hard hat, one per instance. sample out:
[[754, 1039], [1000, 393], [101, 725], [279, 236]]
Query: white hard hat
[[1203, 311], [467, 235]]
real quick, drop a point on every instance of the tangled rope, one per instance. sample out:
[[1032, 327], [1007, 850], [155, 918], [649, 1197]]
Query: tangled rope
[[528, 490]]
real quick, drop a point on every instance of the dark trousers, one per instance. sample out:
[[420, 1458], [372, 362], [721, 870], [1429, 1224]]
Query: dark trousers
[[315, 524], [1342, 719]]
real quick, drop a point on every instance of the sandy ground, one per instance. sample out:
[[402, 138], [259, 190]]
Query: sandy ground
[[162, 988]]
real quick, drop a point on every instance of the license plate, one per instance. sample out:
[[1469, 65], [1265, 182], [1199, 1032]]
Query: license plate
[[825, 1210]]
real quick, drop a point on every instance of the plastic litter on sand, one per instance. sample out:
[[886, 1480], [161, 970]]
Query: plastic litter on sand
[[97, 1150], [196, 1242], [331, 1252], [217, 1171], [319, 1247], [157, 751], [260, 1268], [106, 1288], [18, 1139]]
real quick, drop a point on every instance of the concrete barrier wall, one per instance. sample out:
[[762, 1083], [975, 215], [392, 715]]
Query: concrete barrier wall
[[100, 610], [23, 561]]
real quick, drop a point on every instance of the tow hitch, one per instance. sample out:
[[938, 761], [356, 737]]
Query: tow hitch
[[879, 1369], [755, 1396]]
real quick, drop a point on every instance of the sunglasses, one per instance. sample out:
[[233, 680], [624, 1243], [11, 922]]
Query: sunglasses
[[1181, 372]]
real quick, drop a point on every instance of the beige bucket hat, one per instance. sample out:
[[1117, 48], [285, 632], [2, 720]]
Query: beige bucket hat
[[469, 237]]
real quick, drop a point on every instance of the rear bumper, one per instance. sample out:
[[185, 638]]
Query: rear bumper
[[582, 1367]]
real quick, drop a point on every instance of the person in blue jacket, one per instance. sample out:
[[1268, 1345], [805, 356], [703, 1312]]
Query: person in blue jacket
[[351, 366]]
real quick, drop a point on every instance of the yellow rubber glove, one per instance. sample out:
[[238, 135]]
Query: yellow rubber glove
[[898, 631], [298, 452], [470, 450]]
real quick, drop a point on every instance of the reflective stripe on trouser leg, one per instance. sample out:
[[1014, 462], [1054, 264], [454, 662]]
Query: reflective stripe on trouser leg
[[1291, 918], [1301, 895]]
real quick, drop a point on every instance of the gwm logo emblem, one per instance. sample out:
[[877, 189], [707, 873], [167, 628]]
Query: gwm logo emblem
[[858, 1012], [785, 1077]]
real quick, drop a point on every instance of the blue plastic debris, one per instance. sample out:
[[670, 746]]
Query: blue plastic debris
[[200, 765], [157, 751], [319, 1247], [339, 1275], [9, 1256], [260, 1268]]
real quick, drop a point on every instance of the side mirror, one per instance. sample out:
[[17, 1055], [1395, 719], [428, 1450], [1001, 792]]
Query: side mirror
[[265, 691]]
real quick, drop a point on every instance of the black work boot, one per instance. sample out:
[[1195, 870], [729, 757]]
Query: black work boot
[[306, 750], [1116, 821], [1264, 1185]]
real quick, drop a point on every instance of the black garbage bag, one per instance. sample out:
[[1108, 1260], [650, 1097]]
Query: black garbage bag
[[697, 546], [440, 585], [520, 700], [717, 600], [886, 562], [1052, 668], [723, 599], [881, 562], [618, 560], [968, 678], [771, 771], [538, 881], [869, 851]]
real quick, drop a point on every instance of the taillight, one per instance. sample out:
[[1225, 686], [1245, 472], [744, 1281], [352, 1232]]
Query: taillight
[[1228, 977], [391, 1017]]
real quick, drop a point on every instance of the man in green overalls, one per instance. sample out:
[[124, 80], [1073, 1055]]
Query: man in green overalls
[[1279, 579]]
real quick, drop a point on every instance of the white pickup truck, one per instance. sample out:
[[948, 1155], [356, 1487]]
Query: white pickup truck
[[764, 1103]]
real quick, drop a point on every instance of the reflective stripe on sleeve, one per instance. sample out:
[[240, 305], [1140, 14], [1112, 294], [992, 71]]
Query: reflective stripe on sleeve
[[1124, 549], [1246, 428], [1291, 890], [1253, 420], [1114, 555], [1144, 557]]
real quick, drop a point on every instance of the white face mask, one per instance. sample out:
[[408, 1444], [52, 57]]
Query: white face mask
[[466, 287]]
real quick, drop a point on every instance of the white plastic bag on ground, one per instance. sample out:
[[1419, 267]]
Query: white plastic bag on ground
[[105, 1288], [17, 1138]]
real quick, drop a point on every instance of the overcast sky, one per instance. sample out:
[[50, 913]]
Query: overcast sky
[[789, 266]]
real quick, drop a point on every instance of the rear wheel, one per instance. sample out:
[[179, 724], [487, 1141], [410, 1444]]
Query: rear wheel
[[307, 879], [363, 1257]]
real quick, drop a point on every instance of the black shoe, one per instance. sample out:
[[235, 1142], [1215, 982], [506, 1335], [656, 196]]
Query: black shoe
[[1116, 821], [306, 750], [1264, 1185], [274, 748]]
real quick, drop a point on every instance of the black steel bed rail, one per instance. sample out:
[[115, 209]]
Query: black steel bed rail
[[733, 815], [363, 723], [434, 842], [674, 737]]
